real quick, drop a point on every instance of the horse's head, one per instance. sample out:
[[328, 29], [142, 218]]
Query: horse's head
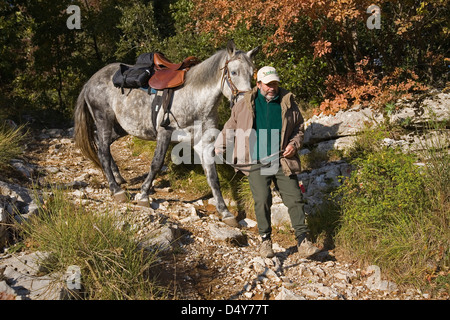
[[237, 72]]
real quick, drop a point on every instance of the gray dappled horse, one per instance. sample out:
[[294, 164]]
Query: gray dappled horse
[[103, 114]]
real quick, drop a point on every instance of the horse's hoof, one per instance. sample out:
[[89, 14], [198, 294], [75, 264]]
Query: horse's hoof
[[121, 196], [142, 201], [231, 221], [121, 181]]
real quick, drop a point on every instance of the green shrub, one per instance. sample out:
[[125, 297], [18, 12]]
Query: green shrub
[[367, 142], [386, 183], [388, 217]]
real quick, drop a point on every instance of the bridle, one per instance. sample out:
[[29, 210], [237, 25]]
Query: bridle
[[235, 92]]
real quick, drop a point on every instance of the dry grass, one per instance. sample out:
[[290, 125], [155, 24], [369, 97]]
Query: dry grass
[[102, 245], [10, 144]]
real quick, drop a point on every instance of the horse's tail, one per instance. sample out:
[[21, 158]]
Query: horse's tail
[[84, 129]]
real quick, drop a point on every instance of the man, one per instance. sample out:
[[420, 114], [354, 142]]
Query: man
[[266, 118]]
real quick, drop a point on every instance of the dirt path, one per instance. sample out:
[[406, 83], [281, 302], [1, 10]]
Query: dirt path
[[198, 266]]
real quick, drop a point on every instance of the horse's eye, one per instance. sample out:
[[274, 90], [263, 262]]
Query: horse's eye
[[233, 73]]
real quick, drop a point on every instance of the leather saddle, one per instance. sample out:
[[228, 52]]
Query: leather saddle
[[167, 74]]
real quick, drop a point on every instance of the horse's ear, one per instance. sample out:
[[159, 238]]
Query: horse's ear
[[231, 48], [252, 53]]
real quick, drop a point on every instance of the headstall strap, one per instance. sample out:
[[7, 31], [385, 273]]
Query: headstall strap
[[235, 92]]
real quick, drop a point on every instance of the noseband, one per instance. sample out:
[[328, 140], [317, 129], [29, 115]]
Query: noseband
[[226, 76]]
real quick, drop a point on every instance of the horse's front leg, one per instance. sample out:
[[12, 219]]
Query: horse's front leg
[[206, 152], [162, 144]]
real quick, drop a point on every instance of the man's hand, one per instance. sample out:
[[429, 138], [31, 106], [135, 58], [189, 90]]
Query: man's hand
[[289, 152]]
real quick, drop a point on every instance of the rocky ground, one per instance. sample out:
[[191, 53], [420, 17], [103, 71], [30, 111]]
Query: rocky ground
[[201, 258]]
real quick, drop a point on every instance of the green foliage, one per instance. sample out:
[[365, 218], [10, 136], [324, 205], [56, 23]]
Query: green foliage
[[139, 31], [186, 42], [368, 142], [47, 62], [385, 185], [302, 75]]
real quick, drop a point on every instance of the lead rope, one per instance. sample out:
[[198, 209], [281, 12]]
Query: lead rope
[[241, 166]]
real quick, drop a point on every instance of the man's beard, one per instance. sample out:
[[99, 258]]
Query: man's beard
[[269, 95]]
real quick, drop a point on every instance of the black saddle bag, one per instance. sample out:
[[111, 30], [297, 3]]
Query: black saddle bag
[[135, 76]]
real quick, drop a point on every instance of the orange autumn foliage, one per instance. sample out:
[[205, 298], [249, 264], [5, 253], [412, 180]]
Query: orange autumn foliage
[[223, 16], [363, 87]]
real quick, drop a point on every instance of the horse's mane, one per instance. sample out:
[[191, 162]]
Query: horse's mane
[[209, 71]]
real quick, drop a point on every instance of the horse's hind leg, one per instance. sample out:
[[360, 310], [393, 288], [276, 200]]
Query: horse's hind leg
[[162, 144], [104, 140], [116, 173], [117, 133]]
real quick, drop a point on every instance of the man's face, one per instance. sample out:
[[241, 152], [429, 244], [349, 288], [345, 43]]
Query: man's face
[[269, 90]]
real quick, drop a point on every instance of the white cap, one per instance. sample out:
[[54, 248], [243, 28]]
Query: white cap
[[267, 74]]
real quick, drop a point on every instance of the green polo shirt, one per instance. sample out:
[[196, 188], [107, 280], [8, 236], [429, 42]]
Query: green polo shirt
[[267, 125]]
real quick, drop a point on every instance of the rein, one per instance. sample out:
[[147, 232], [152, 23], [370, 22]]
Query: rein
[[241, 166], [235, 92]]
